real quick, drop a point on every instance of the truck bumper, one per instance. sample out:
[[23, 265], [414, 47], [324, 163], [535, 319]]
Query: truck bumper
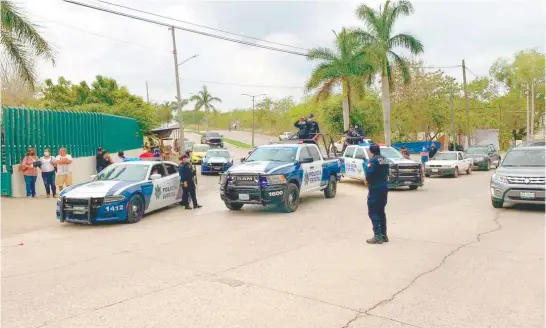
[[270, 195], [440, 171]]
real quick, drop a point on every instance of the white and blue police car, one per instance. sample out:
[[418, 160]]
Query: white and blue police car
[[122, 192]]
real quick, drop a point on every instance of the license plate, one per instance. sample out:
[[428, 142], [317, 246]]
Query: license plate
[[244, 197], [407, 182], [216, 168], [527, 195], [435, 170]]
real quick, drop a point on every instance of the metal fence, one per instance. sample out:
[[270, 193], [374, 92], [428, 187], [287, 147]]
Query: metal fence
[[80, 132]]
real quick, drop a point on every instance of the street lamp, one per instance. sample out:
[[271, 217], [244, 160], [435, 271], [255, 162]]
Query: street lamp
[[188, 59], [253, 127]]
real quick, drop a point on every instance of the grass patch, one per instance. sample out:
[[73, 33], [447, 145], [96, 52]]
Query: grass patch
[[237, 143]]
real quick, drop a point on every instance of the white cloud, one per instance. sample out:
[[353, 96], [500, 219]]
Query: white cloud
[[479, 31]]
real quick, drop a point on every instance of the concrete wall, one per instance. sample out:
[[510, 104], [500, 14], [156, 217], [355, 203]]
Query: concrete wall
[[82, 169]]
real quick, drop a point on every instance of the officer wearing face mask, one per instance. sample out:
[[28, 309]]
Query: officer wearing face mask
[[377, 173]]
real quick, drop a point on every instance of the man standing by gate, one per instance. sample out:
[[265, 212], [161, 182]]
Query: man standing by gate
[[377, 172]]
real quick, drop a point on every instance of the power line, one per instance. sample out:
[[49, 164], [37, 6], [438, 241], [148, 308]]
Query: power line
[[244, 85], [468, 69], [96, 34], [202, 26], [185, 29]]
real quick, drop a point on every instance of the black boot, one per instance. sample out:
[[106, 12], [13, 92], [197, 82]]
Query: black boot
[[188, 207], [375, 240], [385, 239], [197, 206]]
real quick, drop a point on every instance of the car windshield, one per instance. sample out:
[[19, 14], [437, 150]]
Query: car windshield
[[391, 153], [525, 158], [124, 172], [445, 157], [217, 153], [477, 150], [200, 149], [213, 134], [274, 154]]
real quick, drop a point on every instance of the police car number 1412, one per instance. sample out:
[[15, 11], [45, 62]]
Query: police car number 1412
[[114, 208]]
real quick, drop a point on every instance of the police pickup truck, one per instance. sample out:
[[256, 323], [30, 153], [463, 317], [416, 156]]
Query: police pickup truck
[[278, 174], [403, 172]]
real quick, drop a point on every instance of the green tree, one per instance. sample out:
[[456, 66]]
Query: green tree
[[379, 36], [347, 66], [22, 42], [203, 100]]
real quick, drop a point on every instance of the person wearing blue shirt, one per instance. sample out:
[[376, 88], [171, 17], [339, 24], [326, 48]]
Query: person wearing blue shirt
[[377, 173], [424, 155]]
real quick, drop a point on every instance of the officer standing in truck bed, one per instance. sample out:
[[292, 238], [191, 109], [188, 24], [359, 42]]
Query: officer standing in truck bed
[[377, 173]]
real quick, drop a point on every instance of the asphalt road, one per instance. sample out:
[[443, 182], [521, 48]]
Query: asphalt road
[[453, 261]]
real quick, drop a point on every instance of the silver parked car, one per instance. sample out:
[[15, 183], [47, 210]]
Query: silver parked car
[[520, 177]]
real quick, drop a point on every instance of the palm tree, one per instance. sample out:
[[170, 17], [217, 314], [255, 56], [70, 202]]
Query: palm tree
[[22, 42], [203, 99], [380, 24], [346, 66]]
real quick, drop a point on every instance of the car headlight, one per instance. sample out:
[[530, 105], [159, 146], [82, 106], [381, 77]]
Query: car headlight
[[499, 178], [116, 198], [276, 179]]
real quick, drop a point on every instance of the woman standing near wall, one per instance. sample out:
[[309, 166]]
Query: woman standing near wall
[[29, 170], [48, 173]]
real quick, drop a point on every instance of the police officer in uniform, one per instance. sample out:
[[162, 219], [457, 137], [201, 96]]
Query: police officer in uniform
[[188, 184], [377, 172], [303, 128]]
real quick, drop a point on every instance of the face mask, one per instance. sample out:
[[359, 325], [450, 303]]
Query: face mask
[[32, 153], [46, 153]]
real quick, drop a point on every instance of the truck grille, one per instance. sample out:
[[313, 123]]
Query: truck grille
[[244, 180], [526, 180]]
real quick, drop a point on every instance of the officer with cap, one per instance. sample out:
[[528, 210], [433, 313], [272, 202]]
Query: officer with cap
[[188, 184], [377, 172]]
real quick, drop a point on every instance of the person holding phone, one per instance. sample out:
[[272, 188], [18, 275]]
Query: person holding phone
[[64, 172]]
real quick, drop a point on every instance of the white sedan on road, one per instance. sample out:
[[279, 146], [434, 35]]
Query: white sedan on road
[[448, 163]]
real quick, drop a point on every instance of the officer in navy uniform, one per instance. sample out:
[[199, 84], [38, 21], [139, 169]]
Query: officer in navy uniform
[[377, 173], [188, 184]]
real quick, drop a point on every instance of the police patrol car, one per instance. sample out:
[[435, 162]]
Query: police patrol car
[[122, 192], [278, 174], [403, 172], [216, 161]]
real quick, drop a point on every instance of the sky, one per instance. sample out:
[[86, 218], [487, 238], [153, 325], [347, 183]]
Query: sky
[[90, 42]]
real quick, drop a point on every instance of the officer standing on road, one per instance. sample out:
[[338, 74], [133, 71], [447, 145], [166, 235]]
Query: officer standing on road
[[188, 184], [377, 172]]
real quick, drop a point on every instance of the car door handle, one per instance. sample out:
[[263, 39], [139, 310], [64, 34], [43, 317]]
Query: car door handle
[[311, 167]]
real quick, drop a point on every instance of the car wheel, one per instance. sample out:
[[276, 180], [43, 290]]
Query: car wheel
[[427, 175], [413, 187], [331, 189], [469, 170], [292, 199], [497, 203], [234, 206], [456, 172], [135, 209]]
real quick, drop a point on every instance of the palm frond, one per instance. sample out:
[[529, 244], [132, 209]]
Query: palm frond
[[364, 37], [215, 99], [397, 9], [370, 17], [326, 90], [407, 41], [19, 57], [321, 53], [16, 24], [403, 65]]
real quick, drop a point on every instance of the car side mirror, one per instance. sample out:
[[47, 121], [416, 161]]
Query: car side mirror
[[243, 159], [155, 176], [306, 160], [93, 177]]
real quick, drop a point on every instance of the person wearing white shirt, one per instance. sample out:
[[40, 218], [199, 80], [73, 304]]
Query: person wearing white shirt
[[64, 173], [48, 172]]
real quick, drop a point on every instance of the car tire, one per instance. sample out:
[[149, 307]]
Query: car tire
[[469, 170], [413, 187], [331, 188], [292, 199], [135, 209], [427, 175], [497, 203], [456, 172], [234, 206]]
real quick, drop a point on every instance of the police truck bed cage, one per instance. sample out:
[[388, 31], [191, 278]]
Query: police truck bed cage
[[320, 139]]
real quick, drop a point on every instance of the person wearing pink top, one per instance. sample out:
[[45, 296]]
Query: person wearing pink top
[[29, 170]]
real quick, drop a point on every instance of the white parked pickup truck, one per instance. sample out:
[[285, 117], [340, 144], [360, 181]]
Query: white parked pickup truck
[[449, 163]]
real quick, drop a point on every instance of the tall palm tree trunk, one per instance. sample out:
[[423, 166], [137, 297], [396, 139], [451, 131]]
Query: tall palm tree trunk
[[386, 100], [207, 119], [346, 102]]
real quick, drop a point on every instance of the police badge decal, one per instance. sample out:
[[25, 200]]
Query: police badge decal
[[157, 191], [306, 178]]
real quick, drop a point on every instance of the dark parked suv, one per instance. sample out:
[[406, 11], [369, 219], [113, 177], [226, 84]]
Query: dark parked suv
[[483, 156], [213, 139]]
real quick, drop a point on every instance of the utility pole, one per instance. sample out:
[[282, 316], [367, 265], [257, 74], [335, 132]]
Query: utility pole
[[253, 122], [527, 129], [179, 97], [466, 107], [532, 121], [147, 93], [453, 132]]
